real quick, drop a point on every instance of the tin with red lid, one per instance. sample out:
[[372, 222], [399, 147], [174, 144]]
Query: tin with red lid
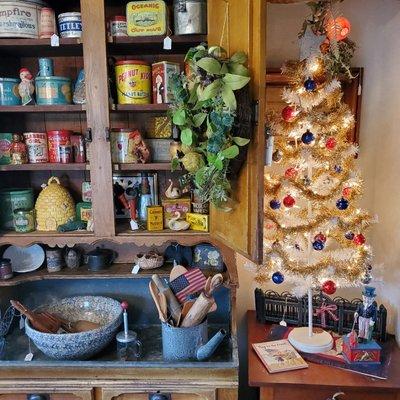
[[117, 26], [59, 141]]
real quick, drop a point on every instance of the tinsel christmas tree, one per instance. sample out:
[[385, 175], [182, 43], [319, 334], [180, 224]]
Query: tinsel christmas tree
[[314, 230]]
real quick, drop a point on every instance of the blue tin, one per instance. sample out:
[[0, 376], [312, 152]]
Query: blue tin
[[46, 67], [206, 256], [70, 25], [9, 95], [52, 90]]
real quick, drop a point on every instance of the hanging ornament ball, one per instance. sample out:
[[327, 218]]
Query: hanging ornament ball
[[349, 235], [347, 191], [342, 204], [321, 237], [318, 245], [275, 204], [289, 201], [289, 113], [307, 137], [359, 239], [277, 156], [278, 278], [310, 85], [369, 267], [330, 143], [338, 169], [366, 279], [291, 172], [324, 46], [329, 287], [337, 28]]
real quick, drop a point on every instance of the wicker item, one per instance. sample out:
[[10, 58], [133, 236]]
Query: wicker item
[[150, 260], [54, 206]]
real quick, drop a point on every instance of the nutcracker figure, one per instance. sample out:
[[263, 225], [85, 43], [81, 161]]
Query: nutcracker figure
[[366, 314]]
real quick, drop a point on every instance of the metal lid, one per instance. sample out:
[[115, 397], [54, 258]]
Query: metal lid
[[189, 1], [131, 336], [37, 2], [9, 79], [127, 62]]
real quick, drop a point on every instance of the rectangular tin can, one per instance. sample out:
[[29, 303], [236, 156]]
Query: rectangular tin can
[[171, 206], [159, 127], [159, 149], [86, 191], [155, 220], [198, 222], [161, 73], [5, 146]]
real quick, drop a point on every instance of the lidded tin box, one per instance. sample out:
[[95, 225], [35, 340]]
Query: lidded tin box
[[10, 200], [70, 25], [161, 73], [190, 17], [5, 147], [117, 26], [146, 18], [36, 143], [9, 95], [52, 90]]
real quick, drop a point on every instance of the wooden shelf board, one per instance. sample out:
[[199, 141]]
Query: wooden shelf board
[[46, 167], [150, 108], [64, 108], [156, 166]]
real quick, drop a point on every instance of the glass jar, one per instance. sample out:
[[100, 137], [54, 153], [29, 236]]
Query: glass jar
[[129, 347], [24, 220]]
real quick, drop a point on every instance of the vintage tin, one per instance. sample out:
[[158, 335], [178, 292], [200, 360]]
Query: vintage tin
[[57, 140], [161, 73], [198, 222], [86, 191], [190, 17], [20, 19], [78, 148], [117, 26], [36, 142], [24, 220], [133, 79], [171, 206], [155, 220], [46, 67], [9, 95], [6, 271], [5, 147], [12, 199], [47, 23], [52, 90], [146, 18], [70, 25], [159, 149], [54, 259], [120, 145], [84, 211], [159, 127], [65, 153]]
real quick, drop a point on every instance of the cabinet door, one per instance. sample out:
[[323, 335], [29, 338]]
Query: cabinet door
[[240, 25]]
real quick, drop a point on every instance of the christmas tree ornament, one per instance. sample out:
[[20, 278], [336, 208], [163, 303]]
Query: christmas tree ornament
[[275, 204], [291, 173], [369, 267], [359, 239], [289, 201], [324, 46], [329, 287], [318, 245], [337, 28], [349, 235], [338, 169], [366, 279], [330, 143], [321, 237], [277, 156], [289, 114], [310, 85], [307, 137], [346, 192], [278, 278], [306, 181], [342, 204]]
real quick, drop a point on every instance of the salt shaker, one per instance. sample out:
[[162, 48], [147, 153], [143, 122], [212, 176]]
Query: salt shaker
[[129, 347]]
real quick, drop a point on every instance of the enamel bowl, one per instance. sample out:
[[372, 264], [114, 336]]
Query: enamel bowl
[[79, 346]]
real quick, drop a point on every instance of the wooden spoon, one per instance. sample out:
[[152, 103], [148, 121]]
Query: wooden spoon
[[176, 272], [156, 298]]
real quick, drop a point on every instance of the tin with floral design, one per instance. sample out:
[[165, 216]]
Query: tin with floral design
[[24, 220]]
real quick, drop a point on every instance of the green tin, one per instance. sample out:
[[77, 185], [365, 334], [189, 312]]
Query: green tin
[[52, 90], [11, 200], [24, 220], [5, 147]]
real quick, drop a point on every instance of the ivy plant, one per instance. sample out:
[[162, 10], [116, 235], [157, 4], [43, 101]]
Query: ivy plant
[[204, 109]]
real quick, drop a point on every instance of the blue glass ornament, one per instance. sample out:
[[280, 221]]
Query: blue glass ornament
[[307, 137], [275, 204], [342, 204], [318, 245], [310, 85], [349, 235], [338, 169], [277, 278]]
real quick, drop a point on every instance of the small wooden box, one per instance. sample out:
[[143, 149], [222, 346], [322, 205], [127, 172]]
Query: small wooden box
[[198, 222], [362, 353], [155, 220], [173, 205]]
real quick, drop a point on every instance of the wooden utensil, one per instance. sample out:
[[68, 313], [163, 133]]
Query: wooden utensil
[[186, 307], [176, 272], [198, 311], [156, 299], [213, 283]]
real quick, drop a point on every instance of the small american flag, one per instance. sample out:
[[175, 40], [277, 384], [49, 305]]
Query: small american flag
[[190, 282]]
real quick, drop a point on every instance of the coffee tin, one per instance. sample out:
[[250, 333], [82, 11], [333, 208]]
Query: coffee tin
[[52, 90], [47, 23], [57, 141], [117, 26], [24, 220], [5, 147], [9, 95], [36, 143], [70, 25]]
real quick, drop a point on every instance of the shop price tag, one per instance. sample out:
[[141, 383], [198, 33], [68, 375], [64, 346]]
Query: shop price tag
[[167, 43], [29, 357], [135, 269], [54, 40]]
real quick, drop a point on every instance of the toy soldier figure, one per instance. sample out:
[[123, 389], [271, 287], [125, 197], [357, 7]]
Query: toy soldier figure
[[366, 314]]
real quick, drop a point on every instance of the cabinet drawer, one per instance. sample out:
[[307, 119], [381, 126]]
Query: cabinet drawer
[[85, 395], [162, 395]]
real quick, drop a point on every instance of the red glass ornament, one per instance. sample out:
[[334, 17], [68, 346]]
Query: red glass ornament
[[291, 172], [347, 191], [321, 237], [330, 143], [328, 287], [289, 201], [359, 239], [337, 28], [289, 113]]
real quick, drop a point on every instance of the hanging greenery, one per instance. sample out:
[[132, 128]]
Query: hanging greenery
[[204, 109]]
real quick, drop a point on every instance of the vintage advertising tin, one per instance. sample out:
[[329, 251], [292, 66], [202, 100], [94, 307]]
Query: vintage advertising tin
[[146, 18], [159, 127], [133, 79], [198, 222], [20, 19], [159, 149], [117, 26], [12, 199], [84, 211], [65, 152], [155, 220], [78, 148], [52, 90], [24, 220], [190, 17], [6, 271], [173, 205], [47, 23], [86, 191], [120, 145], [9, 95], [161, 73], [70, 25], [57, 140], [36, 143], [46, 67], [5, 147]]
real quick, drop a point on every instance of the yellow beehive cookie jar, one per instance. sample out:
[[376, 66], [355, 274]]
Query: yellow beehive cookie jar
[[54, 206]]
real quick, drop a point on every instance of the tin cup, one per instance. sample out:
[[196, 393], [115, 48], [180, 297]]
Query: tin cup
[[46, 67]]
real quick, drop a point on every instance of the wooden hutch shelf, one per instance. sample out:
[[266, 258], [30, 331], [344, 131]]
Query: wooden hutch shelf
[[46, 167], [73, 108], [147, 108], [157, 166]]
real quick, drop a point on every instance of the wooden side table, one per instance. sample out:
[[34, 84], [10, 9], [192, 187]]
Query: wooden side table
[[317, 382]]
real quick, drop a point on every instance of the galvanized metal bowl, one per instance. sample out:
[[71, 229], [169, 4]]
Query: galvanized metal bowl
[[79, 346]]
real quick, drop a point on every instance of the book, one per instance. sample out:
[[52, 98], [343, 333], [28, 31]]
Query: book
[[279, 356]]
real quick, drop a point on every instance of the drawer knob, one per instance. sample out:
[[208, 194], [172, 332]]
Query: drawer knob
[[159, 396], [37, 397], [336, 396]]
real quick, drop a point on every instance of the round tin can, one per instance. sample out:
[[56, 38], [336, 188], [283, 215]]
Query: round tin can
[[6, 271], [133, 79], [24, 220], [54, 259], [117, 26], [46, 67], [65, 154], [70, 25], [78, 148], [36, 142], [10, 200], [122, 143], [47, 23], [9, 95], [57, 141], [52, 90], [190, 17]]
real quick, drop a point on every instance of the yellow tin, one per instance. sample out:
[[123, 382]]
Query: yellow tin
[[198, 222], [155, 218], [133, 78], [146, 18]]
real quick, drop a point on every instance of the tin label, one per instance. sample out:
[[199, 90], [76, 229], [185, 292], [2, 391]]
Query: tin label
[[146, 18], [18, 20]]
